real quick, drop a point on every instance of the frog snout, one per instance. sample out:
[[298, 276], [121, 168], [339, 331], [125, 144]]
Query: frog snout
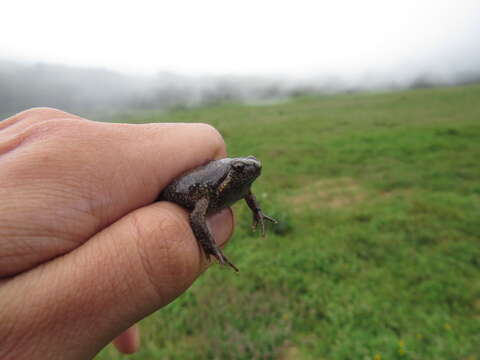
[[256, 163], [256, 168]]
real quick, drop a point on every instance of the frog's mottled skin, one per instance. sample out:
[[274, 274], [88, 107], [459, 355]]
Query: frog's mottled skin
[[211, 188]]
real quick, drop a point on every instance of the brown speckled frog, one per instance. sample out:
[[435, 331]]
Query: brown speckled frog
[[211, 188]]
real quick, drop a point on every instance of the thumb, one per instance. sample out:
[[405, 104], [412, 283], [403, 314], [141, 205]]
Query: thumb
[[76, 304]]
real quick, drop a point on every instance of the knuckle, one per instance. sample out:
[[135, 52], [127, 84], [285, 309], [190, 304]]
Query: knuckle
[[57, 127], [35, 130], [34, 115], [39, 114], [48, 111]]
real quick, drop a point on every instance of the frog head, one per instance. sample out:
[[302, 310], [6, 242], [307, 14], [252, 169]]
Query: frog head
[[245, 170]]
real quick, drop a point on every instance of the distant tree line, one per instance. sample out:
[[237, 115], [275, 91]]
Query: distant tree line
[[89, 90]]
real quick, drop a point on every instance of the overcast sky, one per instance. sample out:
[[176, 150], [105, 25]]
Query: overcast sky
[[291, 37]]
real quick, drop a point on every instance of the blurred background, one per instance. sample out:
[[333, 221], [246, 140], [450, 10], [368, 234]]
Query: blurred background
[[366, 116], [92, 56]]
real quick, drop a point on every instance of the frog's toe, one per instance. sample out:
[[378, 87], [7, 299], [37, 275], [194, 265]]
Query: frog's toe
[[270, 219], [222, 259]]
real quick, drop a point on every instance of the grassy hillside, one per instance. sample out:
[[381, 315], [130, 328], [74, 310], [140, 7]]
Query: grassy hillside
[[378, 252]]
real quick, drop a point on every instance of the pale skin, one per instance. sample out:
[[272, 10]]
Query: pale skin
[[85, 252]]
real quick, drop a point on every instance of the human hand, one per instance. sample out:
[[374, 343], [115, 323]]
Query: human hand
[[84, 251]]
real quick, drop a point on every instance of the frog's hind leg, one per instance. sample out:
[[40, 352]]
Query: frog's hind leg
[[198, 222]]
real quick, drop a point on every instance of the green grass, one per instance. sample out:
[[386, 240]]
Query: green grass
[[378, 253]]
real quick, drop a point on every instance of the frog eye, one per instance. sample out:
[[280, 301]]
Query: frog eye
[[238, 165]]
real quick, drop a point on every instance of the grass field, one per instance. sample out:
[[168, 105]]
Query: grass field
[[378, 253]]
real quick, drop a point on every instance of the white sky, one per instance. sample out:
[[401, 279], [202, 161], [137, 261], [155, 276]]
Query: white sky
[[293, 37]]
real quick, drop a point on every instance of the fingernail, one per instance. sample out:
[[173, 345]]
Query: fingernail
[[221, 225]]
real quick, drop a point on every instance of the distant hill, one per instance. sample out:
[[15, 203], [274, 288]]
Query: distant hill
[[88, 90]]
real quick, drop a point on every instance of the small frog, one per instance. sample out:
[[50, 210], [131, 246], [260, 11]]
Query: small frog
[[211, 188]]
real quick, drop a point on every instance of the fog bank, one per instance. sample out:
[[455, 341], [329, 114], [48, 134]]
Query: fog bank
[[91, 90]]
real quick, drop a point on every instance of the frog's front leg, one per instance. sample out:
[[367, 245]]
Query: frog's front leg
[[198, 222], [258, 215]]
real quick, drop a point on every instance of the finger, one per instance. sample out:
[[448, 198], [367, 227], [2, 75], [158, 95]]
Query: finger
[[86, 175], [81, 301], [128, 342], [117, 167]]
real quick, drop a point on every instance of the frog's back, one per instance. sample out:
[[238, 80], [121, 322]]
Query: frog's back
[[189, 188]]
